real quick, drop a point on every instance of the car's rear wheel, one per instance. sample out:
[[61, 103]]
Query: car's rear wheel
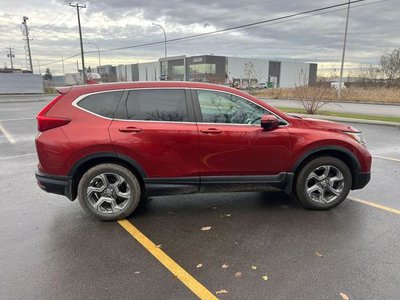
[[323, 183], [109, 192]]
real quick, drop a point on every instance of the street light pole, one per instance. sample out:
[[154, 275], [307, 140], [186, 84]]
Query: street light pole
[[343, 53], [62, 61], [98, 51], [40, 70], [165, 45]]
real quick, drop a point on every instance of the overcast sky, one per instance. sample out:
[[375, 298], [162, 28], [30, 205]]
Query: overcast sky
[[374, 28]]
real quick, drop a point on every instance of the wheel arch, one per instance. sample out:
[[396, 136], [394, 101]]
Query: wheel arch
[[338, 152], [84, 164]]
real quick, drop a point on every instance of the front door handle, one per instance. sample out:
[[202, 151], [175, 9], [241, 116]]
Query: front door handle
[[211, 131], [130, 129]]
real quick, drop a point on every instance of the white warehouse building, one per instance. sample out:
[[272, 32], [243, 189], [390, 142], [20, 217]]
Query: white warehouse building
[[221, 70]]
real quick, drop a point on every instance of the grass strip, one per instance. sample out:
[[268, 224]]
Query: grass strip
[[343, 115]]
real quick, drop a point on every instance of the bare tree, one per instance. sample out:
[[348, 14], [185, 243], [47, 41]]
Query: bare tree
[[369, 73], [312, 97], [390, 64], [249, 72]]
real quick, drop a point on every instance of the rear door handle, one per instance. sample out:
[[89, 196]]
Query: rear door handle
[[211, 131], [130, 129]]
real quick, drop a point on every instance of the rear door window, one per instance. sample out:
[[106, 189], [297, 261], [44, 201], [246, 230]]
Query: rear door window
[[157, 105], [103, 104]]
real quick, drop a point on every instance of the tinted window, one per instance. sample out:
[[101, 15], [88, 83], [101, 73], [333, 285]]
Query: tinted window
[[157, 105], [218, 107], [103, 104]]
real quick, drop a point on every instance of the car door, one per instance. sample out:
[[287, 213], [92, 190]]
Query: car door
[[156, 128], [231, 140]]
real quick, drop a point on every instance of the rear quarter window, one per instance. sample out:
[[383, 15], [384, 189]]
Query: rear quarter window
[[103, 104]]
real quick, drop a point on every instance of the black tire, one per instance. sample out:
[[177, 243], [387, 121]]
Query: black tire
[[126, 205], [318, 165]]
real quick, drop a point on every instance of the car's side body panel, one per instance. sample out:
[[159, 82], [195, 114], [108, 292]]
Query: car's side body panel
[[191, 156]]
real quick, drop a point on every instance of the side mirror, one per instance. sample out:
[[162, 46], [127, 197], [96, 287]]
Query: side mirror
[[269, 122]]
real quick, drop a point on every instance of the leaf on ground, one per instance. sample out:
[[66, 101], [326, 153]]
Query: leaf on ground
[[265, 277], [344, 296], [205, 228], [224, 266], [318, 254], [225, 215], [199, 265], [254, 267], [221, 292], [238, 274]]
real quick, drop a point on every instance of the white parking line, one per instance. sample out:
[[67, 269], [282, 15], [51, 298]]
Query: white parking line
[[7, 135], [387, 158]]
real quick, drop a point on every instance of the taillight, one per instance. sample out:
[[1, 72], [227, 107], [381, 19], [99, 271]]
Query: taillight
[[46, 123]]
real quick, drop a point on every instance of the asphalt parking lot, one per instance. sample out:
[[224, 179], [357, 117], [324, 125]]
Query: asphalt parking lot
[[255, 246]]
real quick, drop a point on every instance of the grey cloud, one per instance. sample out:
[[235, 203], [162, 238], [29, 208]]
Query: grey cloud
[[373, 28]]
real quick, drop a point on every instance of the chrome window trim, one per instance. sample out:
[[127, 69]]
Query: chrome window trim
[[81, 97], [280, 118]]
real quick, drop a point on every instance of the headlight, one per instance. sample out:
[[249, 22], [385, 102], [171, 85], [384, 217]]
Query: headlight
[[357, 136]]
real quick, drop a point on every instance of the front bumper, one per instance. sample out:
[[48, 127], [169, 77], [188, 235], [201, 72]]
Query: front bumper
[[61, 185], [361, 180]]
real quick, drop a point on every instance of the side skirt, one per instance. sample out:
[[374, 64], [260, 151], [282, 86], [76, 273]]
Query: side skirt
[[217, 184]]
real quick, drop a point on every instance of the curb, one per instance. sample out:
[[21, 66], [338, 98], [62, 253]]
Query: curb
[[350, 120], [26, 98], [337, 102], [22, 101]]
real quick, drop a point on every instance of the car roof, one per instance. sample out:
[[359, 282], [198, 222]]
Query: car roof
[[89, 88]]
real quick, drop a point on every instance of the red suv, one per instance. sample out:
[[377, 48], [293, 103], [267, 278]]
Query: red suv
[[111, 145]]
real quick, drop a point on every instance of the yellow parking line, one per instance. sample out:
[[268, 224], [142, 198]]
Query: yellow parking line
[[387, 158], [196, 287], [7, 135], [376, 205]]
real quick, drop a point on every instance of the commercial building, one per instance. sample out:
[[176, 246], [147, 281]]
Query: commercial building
[[216, 69]]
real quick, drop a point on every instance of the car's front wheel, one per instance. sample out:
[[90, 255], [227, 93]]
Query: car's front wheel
[[323, 183], [109, 192]]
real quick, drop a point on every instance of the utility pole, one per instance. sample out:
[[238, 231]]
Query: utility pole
[[10, 54], [343, 53], [77, 6], [26, 32]]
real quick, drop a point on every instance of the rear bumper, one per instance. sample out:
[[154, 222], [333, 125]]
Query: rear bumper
[[361, 180], [60, 185]]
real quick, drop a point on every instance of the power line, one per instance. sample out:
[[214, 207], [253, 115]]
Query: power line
[[41, 28], [320, 14], [235, 27], [273, 21]]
